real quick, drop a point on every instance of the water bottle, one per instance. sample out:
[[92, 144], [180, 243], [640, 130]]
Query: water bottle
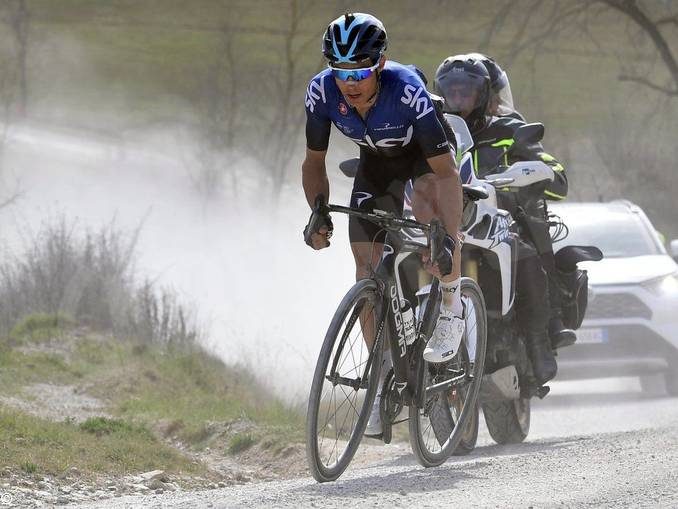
[[408, 321]]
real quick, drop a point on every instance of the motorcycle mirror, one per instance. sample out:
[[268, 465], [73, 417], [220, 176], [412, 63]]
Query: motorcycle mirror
[[529, 133], [673, 249], [350, 167], [461, 133]]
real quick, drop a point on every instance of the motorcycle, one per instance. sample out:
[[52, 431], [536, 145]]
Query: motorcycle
[[489, 256]]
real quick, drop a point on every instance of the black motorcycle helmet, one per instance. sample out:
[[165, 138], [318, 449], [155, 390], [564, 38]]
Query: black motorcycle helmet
[[353, 37], [460, 78], [498, 77], [502, 101]]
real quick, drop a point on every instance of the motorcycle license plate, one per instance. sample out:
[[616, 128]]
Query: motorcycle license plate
[[592, 336]]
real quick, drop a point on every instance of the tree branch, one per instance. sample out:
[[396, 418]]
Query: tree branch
[[630, 8], [648, 83]]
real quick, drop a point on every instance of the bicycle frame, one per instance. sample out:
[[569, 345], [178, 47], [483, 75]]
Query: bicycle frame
[[391, 324]]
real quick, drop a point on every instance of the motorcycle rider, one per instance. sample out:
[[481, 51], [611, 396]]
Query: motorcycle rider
[[465, 83], [501, 105], [384, 107]]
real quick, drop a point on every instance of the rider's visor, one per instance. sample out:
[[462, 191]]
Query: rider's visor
[[462, 91], [353, 74]]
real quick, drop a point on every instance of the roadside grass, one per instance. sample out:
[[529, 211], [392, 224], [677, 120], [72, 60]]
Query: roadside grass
[[38, 446], [156, 394]]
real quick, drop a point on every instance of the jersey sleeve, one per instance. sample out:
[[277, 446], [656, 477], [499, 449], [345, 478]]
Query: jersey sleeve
[[318, 123], [428, 131]]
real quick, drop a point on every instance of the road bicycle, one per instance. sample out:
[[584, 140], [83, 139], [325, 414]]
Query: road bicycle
[[441, 398]]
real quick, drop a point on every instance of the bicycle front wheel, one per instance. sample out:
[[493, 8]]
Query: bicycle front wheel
[[344, 383], [446, 419]]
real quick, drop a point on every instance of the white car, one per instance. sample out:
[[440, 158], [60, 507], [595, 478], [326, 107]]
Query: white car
[[631, 324]]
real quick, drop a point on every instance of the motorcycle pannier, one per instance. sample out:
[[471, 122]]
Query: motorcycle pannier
[[575, 295]]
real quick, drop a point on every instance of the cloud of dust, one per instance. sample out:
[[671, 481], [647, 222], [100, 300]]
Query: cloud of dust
[[264, 297]]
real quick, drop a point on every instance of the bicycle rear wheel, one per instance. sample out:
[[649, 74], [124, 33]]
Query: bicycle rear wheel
[[344, 383], [437, 429]]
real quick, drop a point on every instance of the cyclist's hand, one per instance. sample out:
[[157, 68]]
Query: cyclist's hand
[[320, 240], [442, 265], [319, 228]]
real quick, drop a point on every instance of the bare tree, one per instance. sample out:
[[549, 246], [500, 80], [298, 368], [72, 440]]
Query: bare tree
[[652, 28], [16, 16], [278, 139]]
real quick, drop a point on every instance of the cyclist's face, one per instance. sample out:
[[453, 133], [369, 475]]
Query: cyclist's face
[[359, 93], [463, 97]]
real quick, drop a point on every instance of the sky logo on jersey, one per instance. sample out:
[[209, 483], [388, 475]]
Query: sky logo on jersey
[[386, 142], [315, 92], [413, 99]]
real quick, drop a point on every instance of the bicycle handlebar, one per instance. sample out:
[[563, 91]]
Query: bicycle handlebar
[[435, 232]]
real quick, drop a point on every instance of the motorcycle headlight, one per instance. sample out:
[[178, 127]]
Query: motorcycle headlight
[[665, 285]]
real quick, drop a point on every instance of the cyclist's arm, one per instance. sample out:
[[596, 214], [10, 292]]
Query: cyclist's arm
[[449, 197], [314, 176], [434, 143], [318, 124]]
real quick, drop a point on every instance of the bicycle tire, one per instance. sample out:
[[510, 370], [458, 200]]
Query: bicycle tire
[[334, 346], [437, 411]]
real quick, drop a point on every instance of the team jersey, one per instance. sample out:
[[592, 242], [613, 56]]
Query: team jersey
[[402, 122]]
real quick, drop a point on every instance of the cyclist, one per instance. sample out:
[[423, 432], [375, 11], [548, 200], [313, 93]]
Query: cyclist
[[465, 84], [384, 107]]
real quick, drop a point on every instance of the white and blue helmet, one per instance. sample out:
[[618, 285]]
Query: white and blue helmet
[[354, 37]]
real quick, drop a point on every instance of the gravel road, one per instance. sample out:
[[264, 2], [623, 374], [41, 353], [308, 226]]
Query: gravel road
[[585, 449]]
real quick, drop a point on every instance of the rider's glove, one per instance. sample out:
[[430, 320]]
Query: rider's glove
[[444, 257], [320, 218]]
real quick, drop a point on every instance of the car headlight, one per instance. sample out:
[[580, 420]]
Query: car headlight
[[665, 285]]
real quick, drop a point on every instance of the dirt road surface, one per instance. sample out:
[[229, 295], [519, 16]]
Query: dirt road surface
[[585, 449]]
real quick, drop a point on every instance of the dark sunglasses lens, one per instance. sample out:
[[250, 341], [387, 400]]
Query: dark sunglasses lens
[[354, 74]]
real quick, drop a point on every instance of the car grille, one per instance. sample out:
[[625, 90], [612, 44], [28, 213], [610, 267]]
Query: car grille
[[617, 305]]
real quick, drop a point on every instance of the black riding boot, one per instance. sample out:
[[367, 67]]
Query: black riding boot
[[559, 335], [534, 312], [544, 364]]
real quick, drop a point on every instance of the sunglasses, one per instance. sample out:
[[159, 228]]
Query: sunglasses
[[353, 74]]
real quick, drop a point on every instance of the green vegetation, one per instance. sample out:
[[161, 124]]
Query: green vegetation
[[240, 443], [38, 446], [153, 392], [125, 344]]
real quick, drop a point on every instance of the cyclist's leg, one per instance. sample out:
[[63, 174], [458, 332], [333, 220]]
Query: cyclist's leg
[[372, 189], [425, 208]]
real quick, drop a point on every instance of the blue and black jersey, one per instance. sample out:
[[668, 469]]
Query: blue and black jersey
[[402, 129], [402, 122]]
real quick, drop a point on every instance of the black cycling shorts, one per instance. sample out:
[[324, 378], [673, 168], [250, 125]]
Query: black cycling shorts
[[380, 184]]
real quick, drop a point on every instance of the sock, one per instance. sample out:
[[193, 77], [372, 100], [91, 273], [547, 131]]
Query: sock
[[452, 296]]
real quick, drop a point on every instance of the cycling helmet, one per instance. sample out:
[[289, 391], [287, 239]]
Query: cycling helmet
[[464, 82], [499, 83], [354, 37]]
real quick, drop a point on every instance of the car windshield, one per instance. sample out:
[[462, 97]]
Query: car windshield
[[618, 234]]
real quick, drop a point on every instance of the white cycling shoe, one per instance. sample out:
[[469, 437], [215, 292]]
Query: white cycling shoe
[[446, 338], [374, 428]]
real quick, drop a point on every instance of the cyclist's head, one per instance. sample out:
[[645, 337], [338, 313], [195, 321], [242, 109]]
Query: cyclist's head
[[354, 46], [353, 38], [501, 99], [464, 82]]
